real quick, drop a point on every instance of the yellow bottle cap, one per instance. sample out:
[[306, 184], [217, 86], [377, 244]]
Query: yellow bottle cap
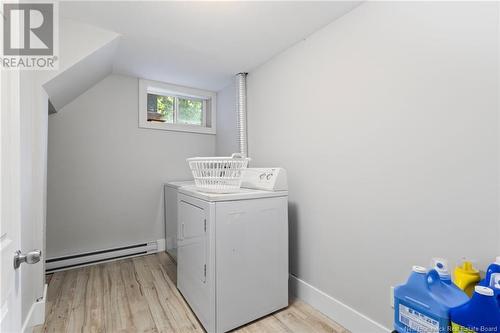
[[467, 267]]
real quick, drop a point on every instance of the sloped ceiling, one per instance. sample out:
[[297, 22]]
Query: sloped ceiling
[[197, 44], [78, 78], [86, 56], [202, 44]]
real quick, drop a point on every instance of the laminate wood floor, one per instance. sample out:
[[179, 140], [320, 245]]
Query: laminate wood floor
[[139, 295]]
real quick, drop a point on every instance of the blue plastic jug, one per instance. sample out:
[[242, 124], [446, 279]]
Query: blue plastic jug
[[441, 266], [492, 279], [422, 305], [480, 314]]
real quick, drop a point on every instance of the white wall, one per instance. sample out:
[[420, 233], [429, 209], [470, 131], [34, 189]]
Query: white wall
[[105, 174], [34, 155], [227, 120], [387, 123], [498, 103]]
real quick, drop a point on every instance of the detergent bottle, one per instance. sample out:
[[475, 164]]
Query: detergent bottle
[[493, 269], [441, 266], [480, 314], [466, 277], [422, 304], [492, 278]]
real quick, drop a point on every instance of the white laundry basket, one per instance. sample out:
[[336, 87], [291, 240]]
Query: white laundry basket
[[218, 174]]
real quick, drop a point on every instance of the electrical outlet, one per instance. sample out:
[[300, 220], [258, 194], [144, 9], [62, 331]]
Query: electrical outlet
[[392, 297]]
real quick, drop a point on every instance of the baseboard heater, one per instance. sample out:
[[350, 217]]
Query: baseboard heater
[[95, 257]]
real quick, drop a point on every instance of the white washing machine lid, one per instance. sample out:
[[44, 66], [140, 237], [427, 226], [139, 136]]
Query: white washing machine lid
[[243, 194]]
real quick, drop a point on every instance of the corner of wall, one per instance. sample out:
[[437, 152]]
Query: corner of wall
[[227, 132]]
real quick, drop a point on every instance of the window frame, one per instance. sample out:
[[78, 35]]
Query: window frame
[[166, 89]]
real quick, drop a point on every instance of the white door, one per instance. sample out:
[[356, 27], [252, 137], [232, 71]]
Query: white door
[[193, 267], [10, 201]]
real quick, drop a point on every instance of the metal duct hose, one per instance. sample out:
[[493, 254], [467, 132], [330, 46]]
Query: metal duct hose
[[242, 113]]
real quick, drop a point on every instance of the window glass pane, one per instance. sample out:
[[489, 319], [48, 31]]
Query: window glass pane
[[190, 111], [161, 108], [152, 103]]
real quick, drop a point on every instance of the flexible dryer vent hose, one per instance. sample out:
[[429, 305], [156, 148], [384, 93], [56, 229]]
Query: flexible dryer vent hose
[[242, 113]]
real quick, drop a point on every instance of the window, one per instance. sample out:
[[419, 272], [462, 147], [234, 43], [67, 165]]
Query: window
[[169, 107]]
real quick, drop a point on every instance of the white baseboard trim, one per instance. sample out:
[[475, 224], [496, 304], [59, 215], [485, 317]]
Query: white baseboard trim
[[36, 315], [161, 245], [339, 312]]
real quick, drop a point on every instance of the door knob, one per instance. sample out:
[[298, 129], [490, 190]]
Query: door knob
[[31, 257]]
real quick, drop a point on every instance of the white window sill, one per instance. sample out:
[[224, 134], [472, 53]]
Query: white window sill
[[177, 127]]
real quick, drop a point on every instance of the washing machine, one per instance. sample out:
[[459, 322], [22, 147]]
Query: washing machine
[[232, 251], [170, 193]]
